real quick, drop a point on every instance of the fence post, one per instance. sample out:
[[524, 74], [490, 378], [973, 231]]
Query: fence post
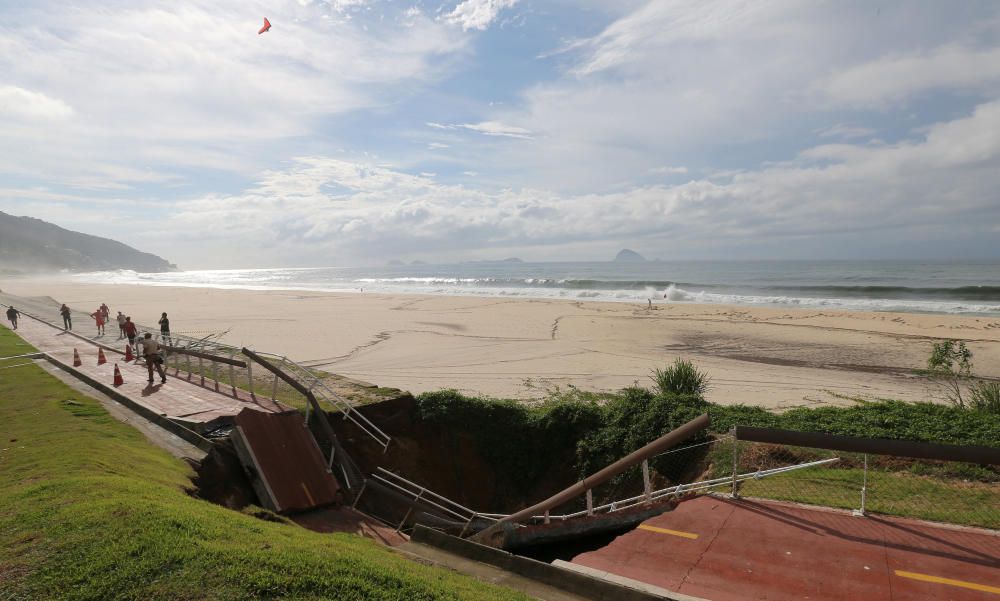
[[232, 373], [590, 501], [364, 484], [187, 362], [409, 511], [201, 370], [864, 491], [215, 374], [547, 519], [274, 386], [250, 378], [736, 455], [646, 488]]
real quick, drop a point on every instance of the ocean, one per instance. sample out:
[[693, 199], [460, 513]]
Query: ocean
[[908, 286]]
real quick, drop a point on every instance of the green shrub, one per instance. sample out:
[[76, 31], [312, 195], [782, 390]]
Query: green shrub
[[985, 396], [681, 378]]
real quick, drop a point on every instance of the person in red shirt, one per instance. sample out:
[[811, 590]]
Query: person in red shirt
[[130, 331], [99, 318]]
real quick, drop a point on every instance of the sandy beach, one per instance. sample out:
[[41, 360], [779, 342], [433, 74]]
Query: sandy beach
[[774, 357]]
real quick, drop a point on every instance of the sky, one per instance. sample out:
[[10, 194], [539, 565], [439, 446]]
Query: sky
[[359, 131]]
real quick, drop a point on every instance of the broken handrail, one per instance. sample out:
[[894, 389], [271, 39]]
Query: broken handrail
[[689, 487], [185, 351], [678, 488], [315, 383], [422, 493]]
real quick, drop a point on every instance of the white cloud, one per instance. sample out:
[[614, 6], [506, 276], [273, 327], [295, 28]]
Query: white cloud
[[846, 132], [667, 170], [477, 14], [437, 146], [193, 85], [20, 103], [681, 82], [893, 78], [945, 178], [487, 128]]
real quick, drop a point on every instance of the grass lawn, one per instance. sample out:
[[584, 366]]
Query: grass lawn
[[889, 493], [90, 510]]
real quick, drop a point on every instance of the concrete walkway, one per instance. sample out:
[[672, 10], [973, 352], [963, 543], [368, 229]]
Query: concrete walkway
[[728, 550], [182, 398]]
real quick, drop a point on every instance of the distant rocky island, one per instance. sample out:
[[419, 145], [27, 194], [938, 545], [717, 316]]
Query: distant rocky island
[[31, 245], [628, 256]]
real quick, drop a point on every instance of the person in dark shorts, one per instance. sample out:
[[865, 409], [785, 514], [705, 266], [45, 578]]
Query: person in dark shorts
[[130, 331], [151, 352], [12, 315], [165, 329], [121, 325], [67, 317]]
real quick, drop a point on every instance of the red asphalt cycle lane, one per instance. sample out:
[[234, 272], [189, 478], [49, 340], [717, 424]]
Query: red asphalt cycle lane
[[733, 550]]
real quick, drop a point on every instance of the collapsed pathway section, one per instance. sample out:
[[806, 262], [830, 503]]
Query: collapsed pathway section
[[285, 465]]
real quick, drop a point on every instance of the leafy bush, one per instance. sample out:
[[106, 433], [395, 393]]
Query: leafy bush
[[950, 364], [681, 378], [985, 396]]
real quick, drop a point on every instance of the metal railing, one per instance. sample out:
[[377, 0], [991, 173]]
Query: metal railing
[[675, 491], [323, 392], [41, 309], [940, 483], [419, 494], [470, 518]]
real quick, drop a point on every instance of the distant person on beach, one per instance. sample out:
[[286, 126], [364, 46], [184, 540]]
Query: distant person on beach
[[151, 352], [99, 318], [121, 325], [130, 331], [165, 329], [106, 312], [67, 317], [12, 315]]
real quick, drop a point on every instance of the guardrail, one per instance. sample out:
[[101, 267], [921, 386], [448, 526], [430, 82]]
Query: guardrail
[[420, 494], [208, 348]]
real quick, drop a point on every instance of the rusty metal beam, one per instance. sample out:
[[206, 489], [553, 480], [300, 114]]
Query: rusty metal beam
[[210, 357], [875, 446]]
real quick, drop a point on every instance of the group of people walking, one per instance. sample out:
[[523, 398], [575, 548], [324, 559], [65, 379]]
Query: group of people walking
[[151, 349]]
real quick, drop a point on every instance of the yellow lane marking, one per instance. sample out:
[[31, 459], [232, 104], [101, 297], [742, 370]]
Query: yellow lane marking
[[960, 583], [306, 490], [665, 531]]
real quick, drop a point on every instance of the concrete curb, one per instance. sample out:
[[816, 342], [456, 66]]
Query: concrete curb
[[627, 582], [572, 582], [160, 420]]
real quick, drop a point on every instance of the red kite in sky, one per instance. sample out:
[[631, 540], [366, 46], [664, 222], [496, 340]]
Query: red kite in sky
[[267, 26]]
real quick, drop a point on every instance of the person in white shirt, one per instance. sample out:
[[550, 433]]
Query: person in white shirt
[[121, 325], [151, 352]]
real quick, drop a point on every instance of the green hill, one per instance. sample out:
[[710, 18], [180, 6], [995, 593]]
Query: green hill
[[29, 244]]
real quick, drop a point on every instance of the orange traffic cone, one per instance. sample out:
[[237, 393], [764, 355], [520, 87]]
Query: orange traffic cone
[[118, 377], [129, 357], [76, 358], [101, 360]]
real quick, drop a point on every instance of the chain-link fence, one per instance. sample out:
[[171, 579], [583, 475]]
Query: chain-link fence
[[955, 492]]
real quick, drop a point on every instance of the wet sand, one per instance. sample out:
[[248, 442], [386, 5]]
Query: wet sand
[[775, 357]]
